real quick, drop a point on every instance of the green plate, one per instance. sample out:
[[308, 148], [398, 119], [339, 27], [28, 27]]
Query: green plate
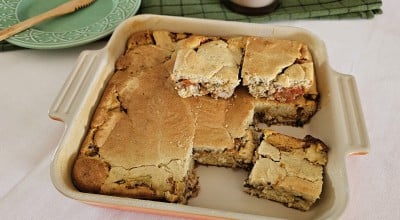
[[83, 26]]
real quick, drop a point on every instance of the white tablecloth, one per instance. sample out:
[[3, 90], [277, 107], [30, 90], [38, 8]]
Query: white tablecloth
[[30, 80]]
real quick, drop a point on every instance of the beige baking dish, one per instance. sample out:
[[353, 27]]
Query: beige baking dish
[[339, 123]]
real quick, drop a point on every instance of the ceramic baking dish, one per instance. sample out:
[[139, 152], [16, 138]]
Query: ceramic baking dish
[[339, 123]]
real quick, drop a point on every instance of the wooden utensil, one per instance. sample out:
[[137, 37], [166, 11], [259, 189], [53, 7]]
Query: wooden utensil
[[66, 8]]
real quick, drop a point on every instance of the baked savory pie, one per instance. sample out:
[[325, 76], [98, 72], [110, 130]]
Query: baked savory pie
[[144, 138]]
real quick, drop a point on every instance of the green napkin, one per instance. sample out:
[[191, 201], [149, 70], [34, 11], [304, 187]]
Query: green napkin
[[288, 10], [5, 46]]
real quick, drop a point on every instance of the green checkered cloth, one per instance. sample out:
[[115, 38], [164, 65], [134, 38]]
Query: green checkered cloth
[[288, 10]]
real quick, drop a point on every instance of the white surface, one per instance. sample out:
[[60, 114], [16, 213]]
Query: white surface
[[30, 80]]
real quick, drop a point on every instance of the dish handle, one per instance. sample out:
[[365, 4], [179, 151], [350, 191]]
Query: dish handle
[[70, 98], [355, 129]]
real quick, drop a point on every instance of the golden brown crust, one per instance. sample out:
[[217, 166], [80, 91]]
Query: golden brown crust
[[288, 170], [142, 57], [143, 137], [223, 137], [89, 174], [240, 155], [150, 183], [144, 158], [139, 38], [239, 113], [278, 69], [295, 113], [211, 68]]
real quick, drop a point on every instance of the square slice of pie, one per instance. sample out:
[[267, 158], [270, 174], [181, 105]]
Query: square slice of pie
[[211, 68], [278, 69], [288, 170]]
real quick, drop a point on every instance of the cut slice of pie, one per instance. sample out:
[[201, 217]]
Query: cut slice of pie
[[224, 135], [211, 68], [278, 69], [288, 170]]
